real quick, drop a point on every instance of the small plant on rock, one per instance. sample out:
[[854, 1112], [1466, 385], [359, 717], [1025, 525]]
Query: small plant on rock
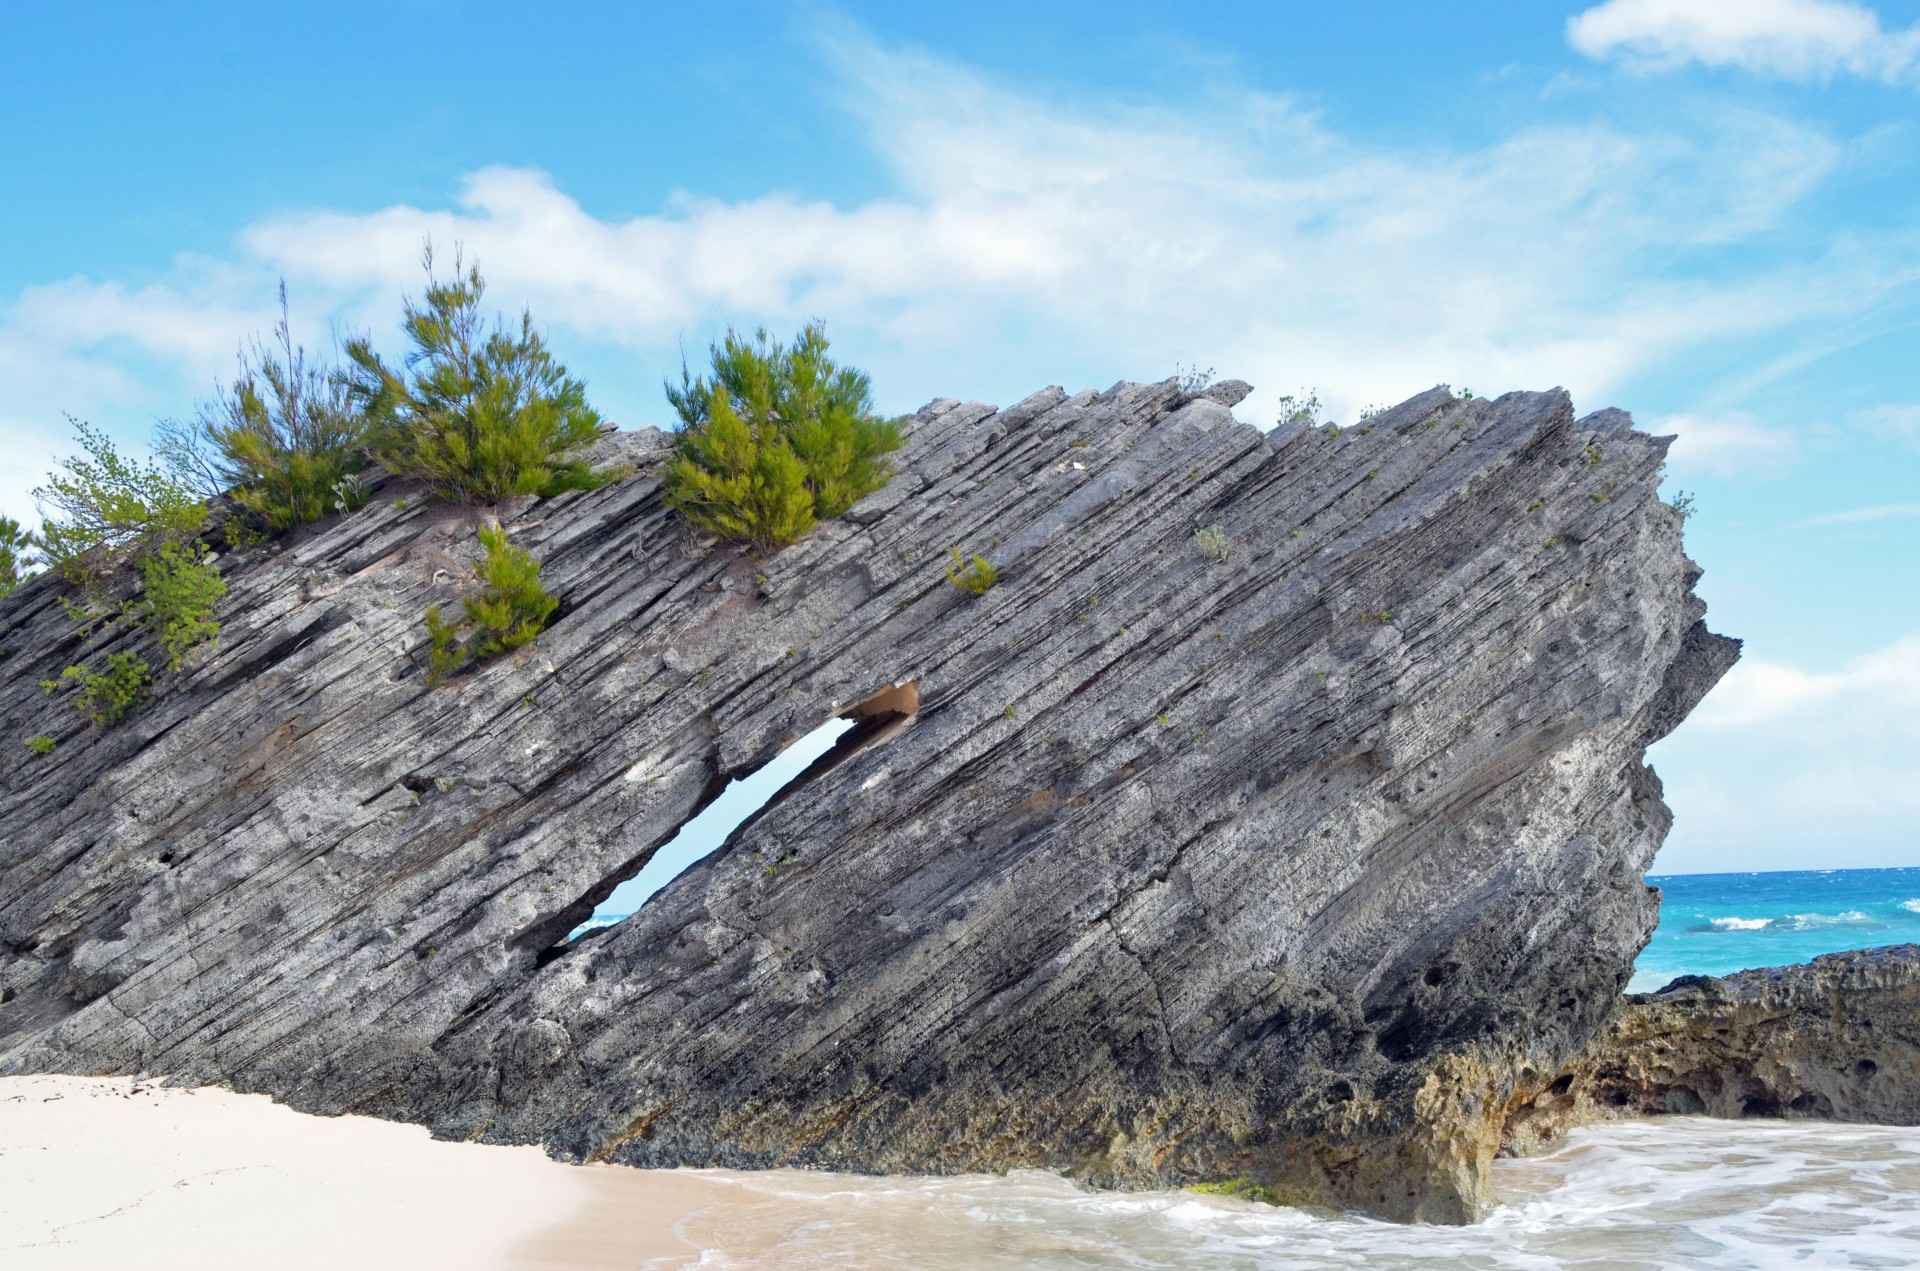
[[1192, 378], [477, 411], [510, 612], [975, 577], [1303, 409], [102, 510], [779, 438], [1212, 542], [42, 745], [107, 697], [16, 555], [179, 588], [1682, 502], [287, 439]]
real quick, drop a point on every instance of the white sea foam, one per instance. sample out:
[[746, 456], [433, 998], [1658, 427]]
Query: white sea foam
[[1813, 922], [1911, 906], [1680, 1192], [1740, 924]]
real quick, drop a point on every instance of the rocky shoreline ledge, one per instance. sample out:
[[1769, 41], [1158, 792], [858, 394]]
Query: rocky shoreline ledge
[[1279, 814], [1835, 1039]]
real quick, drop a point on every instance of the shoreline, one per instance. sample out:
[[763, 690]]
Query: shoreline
[[110, 1171]]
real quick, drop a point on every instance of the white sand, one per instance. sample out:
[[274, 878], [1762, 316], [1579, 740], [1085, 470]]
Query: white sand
[[104, 1174]]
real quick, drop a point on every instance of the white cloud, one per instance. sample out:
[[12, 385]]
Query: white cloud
[[1863, 516], [1780, 758], [1790, 39], [1728, 443], [1035, 242], [1894, 423]]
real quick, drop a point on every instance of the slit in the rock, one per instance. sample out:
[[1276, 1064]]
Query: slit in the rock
[[876, 719]]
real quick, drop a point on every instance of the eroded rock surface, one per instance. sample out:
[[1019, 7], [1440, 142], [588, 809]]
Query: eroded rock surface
[[1836, 1039], [1283, 865]]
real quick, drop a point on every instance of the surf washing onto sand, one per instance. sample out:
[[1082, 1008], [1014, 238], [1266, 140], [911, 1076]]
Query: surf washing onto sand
[[1678, 1191], [1683, 1192]]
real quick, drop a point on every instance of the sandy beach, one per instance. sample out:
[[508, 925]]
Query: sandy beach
[[100, 1173]]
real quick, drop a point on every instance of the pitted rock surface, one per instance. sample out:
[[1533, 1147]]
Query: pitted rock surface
[[1283, 865], [1834, 1039]]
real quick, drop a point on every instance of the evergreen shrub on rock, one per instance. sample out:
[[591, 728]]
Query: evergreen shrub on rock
[[286, 440], [16, 555], [778, 438], [510, 612], [478, 411]]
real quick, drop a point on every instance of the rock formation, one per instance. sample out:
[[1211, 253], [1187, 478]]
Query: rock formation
[[1837, 1039], [1290, 858]]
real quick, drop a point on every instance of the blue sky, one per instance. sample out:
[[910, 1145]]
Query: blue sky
[[1704, 211]]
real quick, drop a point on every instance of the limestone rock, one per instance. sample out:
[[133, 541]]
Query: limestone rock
[[1286, 861], [1836, 1039]]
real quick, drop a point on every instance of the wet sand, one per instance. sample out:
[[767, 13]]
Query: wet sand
[[105, 1173]]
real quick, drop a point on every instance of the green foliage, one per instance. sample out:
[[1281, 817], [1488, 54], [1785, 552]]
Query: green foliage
[[106, 697], [1303, 409], [974, 577], [476, 413], [1594, 456], [180, 588], [780, 437], [1682, 503], [1192, 378], [509, 613], [16, 555], [1242, 1187], [738, 480], [512, 608], [286, 439], [1212, 542], [102, 509], [42, 745]]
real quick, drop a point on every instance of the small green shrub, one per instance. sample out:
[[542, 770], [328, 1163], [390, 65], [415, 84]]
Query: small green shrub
[[1303, 409], [780, 437], [1682, 503], [287, 439], [1594, 456], [102, 510], [510, 612], [42, 745], [975, 577], [106, 697], [16, 555], [1192, 378], [1212, 542], [180, 588], [478, 412]]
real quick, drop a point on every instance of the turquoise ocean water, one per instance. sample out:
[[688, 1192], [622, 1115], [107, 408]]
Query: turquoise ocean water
[[1711, 924]]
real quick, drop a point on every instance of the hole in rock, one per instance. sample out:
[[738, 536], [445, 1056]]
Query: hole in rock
[[876, 719]]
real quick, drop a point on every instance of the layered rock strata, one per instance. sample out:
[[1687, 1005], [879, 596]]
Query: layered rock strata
[[1836, 1039], [1287, 858]]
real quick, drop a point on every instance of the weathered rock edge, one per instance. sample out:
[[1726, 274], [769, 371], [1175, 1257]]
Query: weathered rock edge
[[1834, 1039], [1294, 865]]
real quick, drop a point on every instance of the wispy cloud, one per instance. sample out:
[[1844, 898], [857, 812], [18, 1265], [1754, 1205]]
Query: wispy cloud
[[1894, 423], [1864, 516], [1787, 39], [1033, 240], [1725, 443], [1757, 691], [1780, 760]]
